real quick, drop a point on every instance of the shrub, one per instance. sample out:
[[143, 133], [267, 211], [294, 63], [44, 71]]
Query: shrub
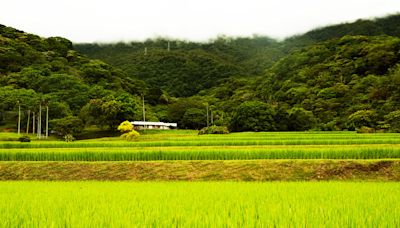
[[130, 136], [393, 121], [125, 126], [24, 139], [253, 116], [72, 125], [214, 130], [69, 138], [364, 129], [300, 119], [363, 118]]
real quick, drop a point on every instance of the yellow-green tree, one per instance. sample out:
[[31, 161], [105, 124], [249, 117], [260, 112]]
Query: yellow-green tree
[[128, 133], [125, 127]]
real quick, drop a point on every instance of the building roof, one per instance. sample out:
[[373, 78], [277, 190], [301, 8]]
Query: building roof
[[146, 123]]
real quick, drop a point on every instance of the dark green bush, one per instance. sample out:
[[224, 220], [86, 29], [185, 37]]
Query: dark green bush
[[214, 130], [24, 139], [364, 129]]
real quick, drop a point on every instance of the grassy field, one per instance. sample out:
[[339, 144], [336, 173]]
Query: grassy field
[[190, 138], [373, 151], [13, 137], [199, 204], [184, 155], [187, 145]]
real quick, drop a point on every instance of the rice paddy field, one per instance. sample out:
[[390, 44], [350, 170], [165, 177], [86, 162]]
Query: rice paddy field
[[187, 145], [368, 194], [199, 204]]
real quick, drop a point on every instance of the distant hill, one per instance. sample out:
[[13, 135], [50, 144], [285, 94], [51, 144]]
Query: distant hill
[[188, 67], [389, 26]]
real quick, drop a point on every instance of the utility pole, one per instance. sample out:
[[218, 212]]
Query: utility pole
[[168, 47], [19, 118], [27, 124], [207, 114], [212, 119], [33, 123], [40, 122], [47, 121], [144, 110], [145, 51], [37, 125]]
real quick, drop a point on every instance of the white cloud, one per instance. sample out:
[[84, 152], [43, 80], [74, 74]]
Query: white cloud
[[104, 20]]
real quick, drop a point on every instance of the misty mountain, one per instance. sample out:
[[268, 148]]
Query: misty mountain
[[187, 67], [338, 77], [183, 68], [389, 26]]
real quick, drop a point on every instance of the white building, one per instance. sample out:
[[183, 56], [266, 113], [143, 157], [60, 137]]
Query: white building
[[139, 125]]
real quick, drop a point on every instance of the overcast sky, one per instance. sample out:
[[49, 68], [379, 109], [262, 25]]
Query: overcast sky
[[197, 20]]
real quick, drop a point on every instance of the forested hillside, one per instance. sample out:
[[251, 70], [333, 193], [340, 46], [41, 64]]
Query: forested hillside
[[220, 58], [345, 83], [389, 26], [187, 67], [36, 71], [340, 77]]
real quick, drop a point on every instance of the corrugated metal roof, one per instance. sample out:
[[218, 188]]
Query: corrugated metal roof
[[146, 123]]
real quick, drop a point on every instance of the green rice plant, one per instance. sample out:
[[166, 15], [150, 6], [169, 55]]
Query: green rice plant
[[199, 204], [387, 151], [202, 142], [238, 146]]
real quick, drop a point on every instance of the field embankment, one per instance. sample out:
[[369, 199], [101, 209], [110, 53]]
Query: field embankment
[[244, 170]]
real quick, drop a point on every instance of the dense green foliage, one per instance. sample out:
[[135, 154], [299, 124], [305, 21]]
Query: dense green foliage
[[213, 130], [187, 67], [346, 83], [67, 125], [340, 77], [37, 71], [380, 26], [253, 116], [191, 204]]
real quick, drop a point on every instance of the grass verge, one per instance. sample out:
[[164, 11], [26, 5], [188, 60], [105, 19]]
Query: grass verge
[[246, 170]]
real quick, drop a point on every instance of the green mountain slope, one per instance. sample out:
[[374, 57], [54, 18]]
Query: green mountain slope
[[188, 67], [35, 70], [338, 78], [389, 25]]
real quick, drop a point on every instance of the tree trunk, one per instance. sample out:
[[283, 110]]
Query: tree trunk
[[40, 122], [19, 119], [27, 124], [47, 122], [33, 123]]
